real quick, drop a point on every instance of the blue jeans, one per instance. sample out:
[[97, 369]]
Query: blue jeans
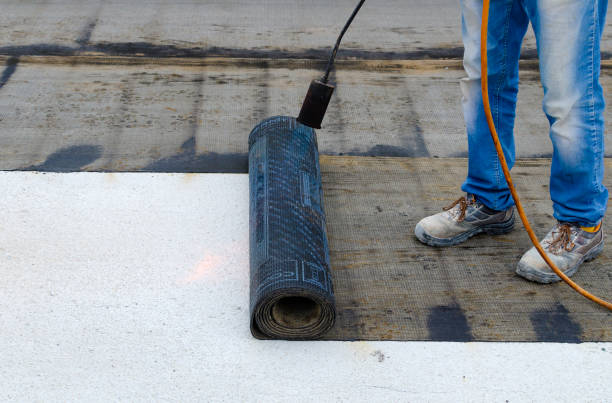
[[568, 34]]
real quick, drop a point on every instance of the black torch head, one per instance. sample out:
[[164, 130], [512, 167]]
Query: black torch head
[[315, 105]]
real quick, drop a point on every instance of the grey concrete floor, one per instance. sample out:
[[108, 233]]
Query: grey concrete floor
[[384, 28], [197, 118], [112, 85]]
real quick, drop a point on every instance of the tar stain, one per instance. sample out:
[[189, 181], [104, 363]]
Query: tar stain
[[448, 323], [383, 150], [197, 106], [351, 323], [69, 159], [555, 325], [11, 67], [459, 154], [336, 122], [41, 49], [85, 35], [262, 101], [152, 50], [415, 140]]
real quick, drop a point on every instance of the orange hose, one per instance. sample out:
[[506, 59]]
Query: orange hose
[[502, 160]]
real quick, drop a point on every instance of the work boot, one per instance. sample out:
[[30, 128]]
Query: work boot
[[461, 220], [567, 245]]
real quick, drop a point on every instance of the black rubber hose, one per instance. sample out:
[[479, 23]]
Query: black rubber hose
[[332, 57]]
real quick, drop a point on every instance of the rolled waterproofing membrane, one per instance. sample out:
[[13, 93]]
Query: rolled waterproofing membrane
[[291, 292]]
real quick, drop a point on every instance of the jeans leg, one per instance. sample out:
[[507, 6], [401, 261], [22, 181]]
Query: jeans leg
[[507, 26], [568, 34]]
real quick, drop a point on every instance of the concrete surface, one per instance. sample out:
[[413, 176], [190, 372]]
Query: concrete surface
[[383, 29], [134, 287], [148, 110], [197, 118]]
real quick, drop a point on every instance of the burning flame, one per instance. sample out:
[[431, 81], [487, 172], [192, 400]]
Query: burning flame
[[207, 268]]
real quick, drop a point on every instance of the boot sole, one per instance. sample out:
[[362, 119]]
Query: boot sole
[[529, 273], [490, 229]]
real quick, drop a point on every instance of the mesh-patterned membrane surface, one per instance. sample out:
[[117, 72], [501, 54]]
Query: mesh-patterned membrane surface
[[291, 291], [391, 287]]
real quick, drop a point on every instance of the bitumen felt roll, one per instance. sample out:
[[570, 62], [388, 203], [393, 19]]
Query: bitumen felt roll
[[291, 291]]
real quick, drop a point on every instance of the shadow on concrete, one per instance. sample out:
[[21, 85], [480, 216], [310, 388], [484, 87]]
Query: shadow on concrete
[[188, 161], [11, 67], [68, 159]]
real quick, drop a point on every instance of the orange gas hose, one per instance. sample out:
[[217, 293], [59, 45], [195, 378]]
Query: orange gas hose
[[502, 160]]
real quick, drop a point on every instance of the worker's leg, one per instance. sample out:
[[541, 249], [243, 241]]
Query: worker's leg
[[507, 26], [568, 34], [489, 207]]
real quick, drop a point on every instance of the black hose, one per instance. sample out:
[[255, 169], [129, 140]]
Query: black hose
[[332, 57]]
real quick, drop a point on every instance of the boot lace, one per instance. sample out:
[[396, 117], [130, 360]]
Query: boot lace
[[563, 240], [463, 203]]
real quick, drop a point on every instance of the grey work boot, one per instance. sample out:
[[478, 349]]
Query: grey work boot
[[461, 220], [568, 246]]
